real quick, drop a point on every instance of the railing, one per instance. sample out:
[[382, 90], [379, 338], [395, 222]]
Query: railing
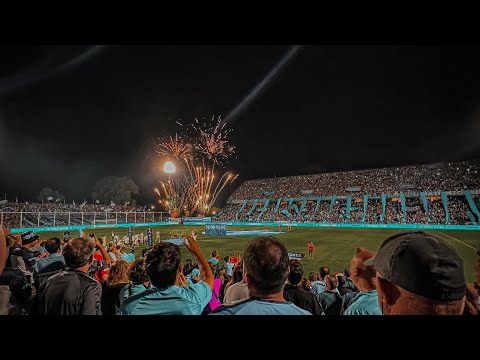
[[38, 219]]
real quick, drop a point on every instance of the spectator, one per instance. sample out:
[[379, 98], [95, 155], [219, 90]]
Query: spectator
[[365, 279], [238, 289], [266, 271], [163, 267], [348, 282], [419, 274], [139, 281], [50, 265], [342, 282], [319, 285], [117, 279], [330, 299], [295, 294], [228, 266], [23, 258], [72, 292]]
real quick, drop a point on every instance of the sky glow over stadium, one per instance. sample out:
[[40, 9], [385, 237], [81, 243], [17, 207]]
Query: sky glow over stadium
[[85, 112]]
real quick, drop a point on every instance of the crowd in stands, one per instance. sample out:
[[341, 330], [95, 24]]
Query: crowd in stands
[[85, 277], [414, 210], [436, 177], [409, 180], [11, 213]]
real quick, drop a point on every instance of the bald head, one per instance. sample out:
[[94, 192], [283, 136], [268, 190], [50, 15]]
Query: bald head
[[364, 277]]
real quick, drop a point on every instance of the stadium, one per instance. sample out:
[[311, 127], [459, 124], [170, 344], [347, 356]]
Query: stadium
[[329, 230]]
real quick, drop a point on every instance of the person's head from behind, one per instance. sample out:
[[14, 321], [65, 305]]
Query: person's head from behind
[[137, 273], [187, 268], [342, 280], [118, 273], [238, 272], [296, 272], [226, 259], [331, 282], [419, 274], [78, 253], [53, 245], [266, 266], [162, 264], [363, 276], [323, 271], [313, 276]]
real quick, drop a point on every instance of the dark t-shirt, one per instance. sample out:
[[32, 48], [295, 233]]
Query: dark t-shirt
[[303, 299], [111, 298], [331, 302]]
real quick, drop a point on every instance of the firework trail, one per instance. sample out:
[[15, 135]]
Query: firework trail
[[199, 188]]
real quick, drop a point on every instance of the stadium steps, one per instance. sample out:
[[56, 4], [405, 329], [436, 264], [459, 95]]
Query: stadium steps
[[445, 206], [279, 201], [241, 209], [471, 217], [365, 207], [404, 206], [349, 207], [255, 202], [473, 207], [265, 207], [423, 197], [332, 204], [319, 200]]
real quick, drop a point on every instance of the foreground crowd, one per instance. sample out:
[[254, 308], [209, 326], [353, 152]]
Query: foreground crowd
[[411, 273]]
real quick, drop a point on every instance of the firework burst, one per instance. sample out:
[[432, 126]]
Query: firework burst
[[200, 186], [173, 146], [210, 140]]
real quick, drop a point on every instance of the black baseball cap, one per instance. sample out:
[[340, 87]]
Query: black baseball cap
[[422, 264], [29, 237]]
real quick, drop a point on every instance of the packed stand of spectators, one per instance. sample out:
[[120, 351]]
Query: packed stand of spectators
[[458, 207], [229, 212], [436, 212], [84, 280], [436, 177], [11, 213]]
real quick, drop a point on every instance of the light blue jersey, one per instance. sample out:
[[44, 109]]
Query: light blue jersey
[[174, 300], [364, 303], [261, 307]]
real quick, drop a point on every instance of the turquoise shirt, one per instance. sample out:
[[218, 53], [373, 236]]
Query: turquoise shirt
[[174, 300], [128, 257], [261, 307], [318, 287], [131, 290], [364, 303], [228, 268]]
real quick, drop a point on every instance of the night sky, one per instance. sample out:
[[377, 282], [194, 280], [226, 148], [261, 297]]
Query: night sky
[[70, 115]]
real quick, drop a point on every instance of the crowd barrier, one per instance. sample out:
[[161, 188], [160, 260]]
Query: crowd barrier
[[274, 224]]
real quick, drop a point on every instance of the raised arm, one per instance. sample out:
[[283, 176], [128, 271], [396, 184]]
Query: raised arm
[[206, 273]]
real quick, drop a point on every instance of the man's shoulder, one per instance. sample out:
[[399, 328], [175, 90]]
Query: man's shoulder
[[232, 308]]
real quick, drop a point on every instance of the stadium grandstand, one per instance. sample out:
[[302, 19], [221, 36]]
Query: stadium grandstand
[[26, 215], [443, 193]]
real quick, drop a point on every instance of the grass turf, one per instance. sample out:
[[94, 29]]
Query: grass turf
[[334, 247]]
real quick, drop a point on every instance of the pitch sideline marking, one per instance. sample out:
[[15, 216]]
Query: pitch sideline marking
[[451, 237]]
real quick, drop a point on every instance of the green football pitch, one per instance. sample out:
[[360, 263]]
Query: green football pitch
[[334, 247]]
